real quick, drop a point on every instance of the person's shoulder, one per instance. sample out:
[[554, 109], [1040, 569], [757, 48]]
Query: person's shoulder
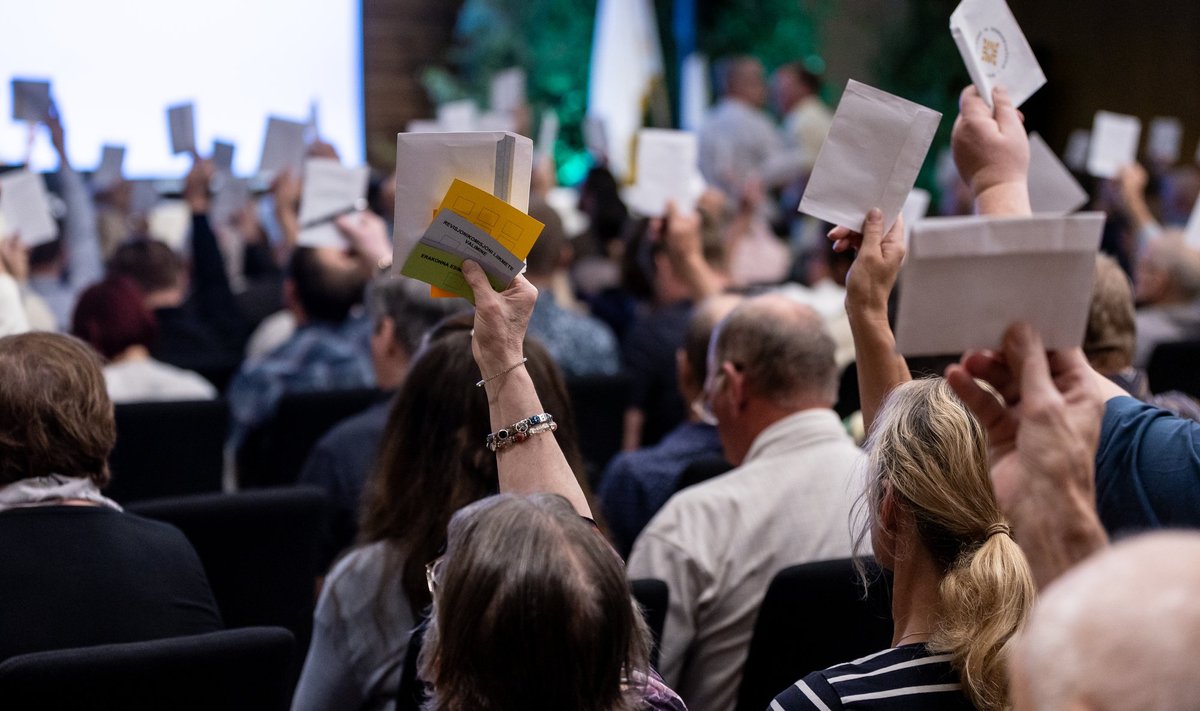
[[897, 675], [351, 431]]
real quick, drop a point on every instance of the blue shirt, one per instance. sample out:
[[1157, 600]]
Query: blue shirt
[[636, 484], [318, 356], [1147, 468], [580, 345]]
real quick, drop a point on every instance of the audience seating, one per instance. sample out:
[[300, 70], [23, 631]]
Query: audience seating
[[274, 454], [1175, 366], [261, 550], [701, 471], [599, 402], [233, 670], [168, 449], [653, 597], [813, 616]]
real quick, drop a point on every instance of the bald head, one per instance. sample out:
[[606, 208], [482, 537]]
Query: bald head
[[783, 349], [1121, 631]]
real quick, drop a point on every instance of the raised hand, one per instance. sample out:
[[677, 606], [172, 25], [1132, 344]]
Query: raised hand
[[876, 266], [991, 150], [501, 319]]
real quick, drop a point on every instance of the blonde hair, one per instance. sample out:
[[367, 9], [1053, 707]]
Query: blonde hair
[[930, 452]]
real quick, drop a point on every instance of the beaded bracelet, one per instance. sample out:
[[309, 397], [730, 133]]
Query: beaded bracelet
[[521, 431]]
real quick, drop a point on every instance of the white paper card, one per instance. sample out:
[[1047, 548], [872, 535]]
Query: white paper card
[[26, 208], [1191, 234], [547, 133], [916, 206], [495, 121], [330, 191], [665, 170], [428, 163], [1165, 140], [458, 116], [222, 157], [1114, 143], [424, 126], [995, 50], [1052, 188], [1076, 154], [181, 120], [30, 100], [108, 173], [508, 90], [966, 279], [870, 158], [283, 147], [453, 233]]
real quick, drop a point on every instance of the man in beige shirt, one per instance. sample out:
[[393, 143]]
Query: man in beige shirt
[[772, 383], [806, 119]]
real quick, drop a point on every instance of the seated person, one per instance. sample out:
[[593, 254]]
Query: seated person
[[402, 312], [323, 285], [432, 462], [77, 570], [635, 485], [111, 318]]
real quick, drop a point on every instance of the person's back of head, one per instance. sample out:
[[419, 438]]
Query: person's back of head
[[928, 462], [531, 611], [794, 83], [692, 363], [741, 77], [433, 460], [546, 257], [1112, 326], [112, 317], [1120, 631], [1168, 271], [402, 312], [55, 413], [325, 283], [151, 265]]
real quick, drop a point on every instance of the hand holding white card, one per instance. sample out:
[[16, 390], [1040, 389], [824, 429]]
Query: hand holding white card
[[283, 147], [30, 100], [966, 279], [1165, 140], [330, 191], [108, 173], [666, 170], [1114, 143], [1052, 188], [26, 208], [995, 50], [181, 120], [222, 158], [870, 158]]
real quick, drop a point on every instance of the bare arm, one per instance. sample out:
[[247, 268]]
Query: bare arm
[[501, 319]]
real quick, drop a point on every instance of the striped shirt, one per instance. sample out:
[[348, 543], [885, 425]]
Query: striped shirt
[[901, 678]]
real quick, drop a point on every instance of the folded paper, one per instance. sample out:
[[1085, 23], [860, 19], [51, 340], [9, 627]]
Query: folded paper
[[1114, 143], [1052, 188], [870, 158], [26, 208], [995, 50], [330, 191], [966, 279]]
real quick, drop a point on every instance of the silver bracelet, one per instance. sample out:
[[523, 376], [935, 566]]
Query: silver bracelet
[[506, 371]]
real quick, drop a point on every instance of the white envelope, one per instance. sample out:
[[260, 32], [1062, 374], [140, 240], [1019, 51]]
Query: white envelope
[[458, 116], [26, 208], [995, 50], [495, 121], [109, 170], [1052, 188], [330, 191], [966, 279], [508, 90], [181, 121], [427, 164], [547, 133], [1076, 155], [916, 206], [222, 157], [1114, 143], [30, 100], [284, 146], [870, 158], [1165, 140], [665, 170]]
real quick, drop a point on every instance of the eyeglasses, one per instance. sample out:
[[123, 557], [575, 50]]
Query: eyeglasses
[[433, 574]]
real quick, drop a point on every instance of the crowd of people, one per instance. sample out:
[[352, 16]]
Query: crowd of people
[[989, 490]]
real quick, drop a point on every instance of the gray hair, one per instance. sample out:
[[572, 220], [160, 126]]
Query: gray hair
[[1181, 263], [782, 347], [1120, 631], [408, 304]]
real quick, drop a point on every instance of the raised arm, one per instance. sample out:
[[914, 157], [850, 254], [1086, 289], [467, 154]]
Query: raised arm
[[868, 286], [991, 150], [680, 234], [536, 465], [84, 260]]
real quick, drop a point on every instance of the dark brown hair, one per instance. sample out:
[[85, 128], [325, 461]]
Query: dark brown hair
[[111, 317], [55, 414], [150, 264], [532, 612], [433, 461]]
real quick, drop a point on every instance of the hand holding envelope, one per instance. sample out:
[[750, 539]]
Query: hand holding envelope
[[995, 50], [991, 151]]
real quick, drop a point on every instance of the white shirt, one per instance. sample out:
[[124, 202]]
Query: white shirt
[[718, 545], [150, 380]]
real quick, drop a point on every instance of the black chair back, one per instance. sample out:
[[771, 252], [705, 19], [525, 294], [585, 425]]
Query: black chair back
[[234, 670], [1175, 366], [261, 550], [653, 597], [599, 402], [168, 449], [813, 616], [274, 454]]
